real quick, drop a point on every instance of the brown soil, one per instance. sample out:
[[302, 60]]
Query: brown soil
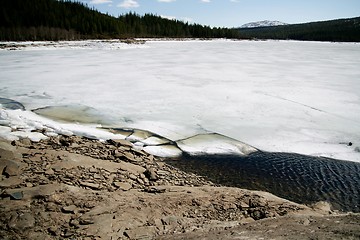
[[76, 188]]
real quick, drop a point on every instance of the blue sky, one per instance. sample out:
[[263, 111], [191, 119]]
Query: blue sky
[[234, 13]]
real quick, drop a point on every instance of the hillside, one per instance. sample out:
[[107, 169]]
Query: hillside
[[341, 30], [68, 20]]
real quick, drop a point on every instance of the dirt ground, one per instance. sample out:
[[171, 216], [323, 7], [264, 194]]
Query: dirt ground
[[76, 188]]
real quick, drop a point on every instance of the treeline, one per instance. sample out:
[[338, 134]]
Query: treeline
[[69, 20], [341, 30]]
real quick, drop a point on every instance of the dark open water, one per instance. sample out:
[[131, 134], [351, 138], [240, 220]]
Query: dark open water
[[299, 178]]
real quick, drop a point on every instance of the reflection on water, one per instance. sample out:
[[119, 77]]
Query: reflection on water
[[300, 178]]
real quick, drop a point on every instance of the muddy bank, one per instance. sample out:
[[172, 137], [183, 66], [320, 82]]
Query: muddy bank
[[72, 187]]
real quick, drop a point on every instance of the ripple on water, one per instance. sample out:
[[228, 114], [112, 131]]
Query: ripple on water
[[300, 178]]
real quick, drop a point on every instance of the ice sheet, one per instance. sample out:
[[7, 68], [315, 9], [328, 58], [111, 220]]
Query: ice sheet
[[274, 95]]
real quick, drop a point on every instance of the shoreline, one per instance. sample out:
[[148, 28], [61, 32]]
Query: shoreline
[[68, 186]]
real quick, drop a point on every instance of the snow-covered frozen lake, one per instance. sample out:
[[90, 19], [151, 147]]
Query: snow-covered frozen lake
[[287, 96]]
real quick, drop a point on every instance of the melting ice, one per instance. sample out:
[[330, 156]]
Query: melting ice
[[287, 96]]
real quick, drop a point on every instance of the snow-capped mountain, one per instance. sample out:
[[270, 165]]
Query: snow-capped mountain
[[265, 23]]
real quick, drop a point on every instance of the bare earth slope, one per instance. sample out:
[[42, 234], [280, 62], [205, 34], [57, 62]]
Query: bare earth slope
[[71, 187]]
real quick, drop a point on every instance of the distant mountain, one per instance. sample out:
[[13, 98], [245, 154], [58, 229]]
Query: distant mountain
[[265, 23], [339, 30]]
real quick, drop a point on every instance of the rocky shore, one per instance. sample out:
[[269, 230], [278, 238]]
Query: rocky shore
[[68, 187]]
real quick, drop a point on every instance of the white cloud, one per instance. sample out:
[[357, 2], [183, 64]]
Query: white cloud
[[187, 19], [184, 19], [166, 1], [205, 1], [168, 17], [100, 1], [129, 4]]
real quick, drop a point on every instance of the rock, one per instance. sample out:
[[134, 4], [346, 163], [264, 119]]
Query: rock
[[86, 221], [120, 142], [65, 142], [51, 207], [93, 170], [118, 154], [140, 181], [257, 201], [25, 141], [123, 185], [143, 233], [68, 233], [9, 152], [9, 168], [10, 182], [162, 172], [70, 209], [257, 215], [151, 174], [16, 195], [132, 168], [305, 222], [132, 177], [139, 152], [94, 186], [170, 220], [49, 172], [246, 220], [53, 230], [74, 223], [22, 221], [154, 190], [130, 157], [322, 206], [244, 205]]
